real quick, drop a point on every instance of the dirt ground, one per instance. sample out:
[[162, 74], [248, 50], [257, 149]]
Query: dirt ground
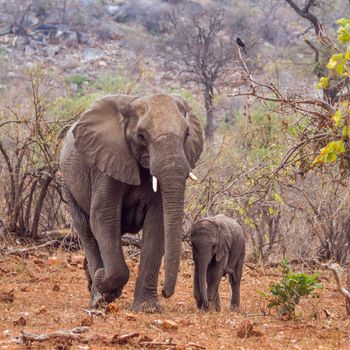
[[50, 294]]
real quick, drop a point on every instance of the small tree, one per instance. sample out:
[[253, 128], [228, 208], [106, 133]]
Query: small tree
[[201, 43]]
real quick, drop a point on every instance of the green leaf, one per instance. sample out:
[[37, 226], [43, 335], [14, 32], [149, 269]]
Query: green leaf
[[337, 117], [343, 21], [278, 198], [323, 83], [333, 61], [347, 53]]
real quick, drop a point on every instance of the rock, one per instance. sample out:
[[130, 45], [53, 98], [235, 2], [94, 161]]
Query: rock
[[56, 288], [126, 13], [88, 321], [7, 29], [20, 322], [39, 37], [109, 31], [112, 10], [46, 29], [29, 51], [7, 297], [130, 317], [90, 54], [166, 325], [71, 39], [169, 325], [52, 51], [247, 329], [83, 38], [41, 310], [113, 308], [20, 42], [31, 20]]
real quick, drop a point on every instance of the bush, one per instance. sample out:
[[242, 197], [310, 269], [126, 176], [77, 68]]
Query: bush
[[287, 293]]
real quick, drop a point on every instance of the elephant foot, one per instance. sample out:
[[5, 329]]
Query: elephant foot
[[234, 308], [96, 299], [214, 307], [151, 306], [109, 286]]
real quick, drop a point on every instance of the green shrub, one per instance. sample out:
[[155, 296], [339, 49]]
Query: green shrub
[[287, 293]]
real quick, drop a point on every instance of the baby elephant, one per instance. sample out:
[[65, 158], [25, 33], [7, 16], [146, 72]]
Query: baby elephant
[[218, 248]]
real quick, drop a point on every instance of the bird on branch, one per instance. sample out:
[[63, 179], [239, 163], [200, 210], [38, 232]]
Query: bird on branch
[[241, 44]]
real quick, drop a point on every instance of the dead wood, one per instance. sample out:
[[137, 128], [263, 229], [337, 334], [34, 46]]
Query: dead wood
[[26, 250], [73, 334], [342, 290], [123, 339]]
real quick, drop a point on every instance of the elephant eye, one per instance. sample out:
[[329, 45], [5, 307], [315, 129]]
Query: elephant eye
[[141, 137]]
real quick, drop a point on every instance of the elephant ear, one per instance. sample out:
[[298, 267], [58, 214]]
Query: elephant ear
[[224, 241], [195, 140], [99, 136]]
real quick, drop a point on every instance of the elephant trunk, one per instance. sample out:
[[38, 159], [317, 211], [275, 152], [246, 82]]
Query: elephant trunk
[[170, 166], [202, 281], [173, 193]]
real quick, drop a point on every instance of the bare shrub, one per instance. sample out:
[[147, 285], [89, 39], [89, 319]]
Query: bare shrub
[[29, 147]]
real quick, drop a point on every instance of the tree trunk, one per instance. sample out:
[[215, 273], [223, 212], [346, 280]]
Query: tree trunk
[[39, 206], [209, 108]]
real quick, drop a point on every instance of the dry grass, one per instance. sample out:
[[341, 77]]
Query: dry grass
[[36, 298]]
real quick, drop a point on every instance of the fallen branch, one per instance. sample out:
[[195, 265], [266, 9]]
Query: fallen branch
[[94, 312], [123, 339], [342, 290], [26, 250], [128, 240], [152, 343], [193, 345], [73, 334]]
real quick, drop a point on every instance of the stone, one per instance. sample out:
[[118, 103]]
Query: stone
[[20, 42], [7, 29], [112, 10], [29, 51], [71, 39], [52, 51], [90, 54]]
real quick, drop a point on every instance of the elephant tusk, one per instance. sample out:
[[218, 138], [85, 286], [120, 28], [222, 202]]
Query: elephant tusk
[[193, 176], [154, 183]]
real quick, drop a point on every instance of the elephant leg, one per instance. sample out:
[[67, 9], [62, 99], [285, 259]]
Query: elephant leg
[[105, 222], [196, 291], [215, 273], [92, 261], [235, 288], [235, 281], [217, 301], [87, 274], [152, 251]]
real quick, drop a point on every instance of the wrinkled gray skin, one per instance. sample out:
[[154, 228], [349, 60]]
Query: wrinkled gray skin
[[218, 247], [107, 161]]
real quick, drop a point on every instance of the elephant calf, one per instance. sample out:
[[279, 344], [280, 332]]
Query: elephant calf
[[218, 247]]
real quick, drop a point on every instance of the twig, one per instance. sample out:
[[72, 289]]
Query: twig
[[151, 343], [95, 312], [74, 334], [25, 250], [193, 345], [128, 240], [342, 290], [122, 339]]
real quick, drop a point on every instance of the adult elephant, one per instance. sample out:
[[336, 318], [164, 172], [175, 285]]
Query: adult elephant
[[111, 158]]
